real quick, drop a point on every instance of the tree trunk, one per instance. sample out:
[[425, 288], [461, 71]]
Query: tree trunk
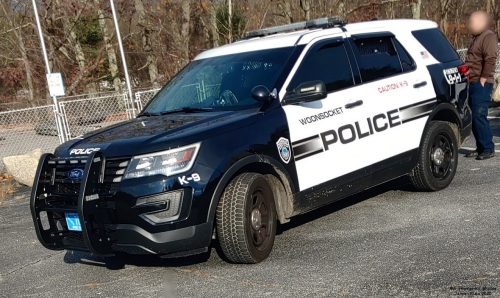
[[113, 64], [306, 7], [416, 8], [27, 68], [444, 23], [146, 43], [77, 47], [184, 34], [213, 24], [445, 6], [341, 10], [286, 7], [24, 56]]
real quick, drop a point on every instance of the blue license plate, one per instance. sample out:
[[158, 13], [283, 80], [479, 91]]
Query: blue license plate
[[73, 222]]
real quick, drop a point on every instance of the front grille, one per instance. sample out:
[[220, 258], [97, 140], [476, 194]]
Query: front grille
[[74, 239], [68, 188], [63, 185], [75, 236]]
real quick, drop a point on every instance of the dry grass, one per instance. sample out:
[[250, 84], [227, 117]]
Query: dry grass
[[7, 186]]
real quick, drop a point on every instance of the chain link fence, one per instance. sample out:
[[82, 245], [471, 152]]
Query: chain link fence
[[143, 97], [11, 106], [463, 55], [24, 130], [81, 116]]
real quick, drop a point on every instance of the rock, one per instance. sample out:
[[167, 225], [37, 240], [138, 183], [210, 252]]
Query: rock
[[23, 167]]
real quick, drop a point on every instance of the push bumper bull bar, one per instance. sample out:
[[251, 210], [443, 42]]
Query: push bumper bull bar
[[101, 233], [89, 207]]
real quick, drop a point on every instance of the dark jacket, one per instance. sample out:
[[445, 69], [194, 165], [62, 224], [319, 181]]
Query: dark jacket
[[482, 56]]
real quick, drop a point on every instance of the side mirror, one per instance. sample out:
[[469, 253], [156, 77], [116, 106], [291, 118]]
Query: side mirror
[[306, 92], [261, 93]]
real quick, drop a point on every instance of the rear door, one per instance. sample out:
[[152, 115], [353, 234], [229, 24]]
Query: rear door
[[399, 97]]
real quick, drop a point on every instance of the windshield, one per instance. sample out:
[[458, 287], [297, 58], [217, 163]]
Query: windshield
[[221, 83]]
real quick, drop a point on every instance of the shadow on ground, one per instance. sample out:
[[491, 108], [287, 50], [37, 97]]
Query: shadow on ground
[[120, 261]]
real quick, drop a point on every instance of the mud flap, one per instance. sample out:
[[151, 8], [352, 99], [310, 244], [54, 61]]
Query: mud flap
[[49, 237], [92, 216]]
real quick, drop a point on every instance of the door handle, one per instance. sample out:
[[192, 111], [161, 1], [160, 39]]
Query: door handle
[[420, 85], [353, 104]]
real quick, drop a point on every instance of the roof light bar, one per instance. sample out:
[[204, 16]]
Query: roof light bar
[[317, 23]]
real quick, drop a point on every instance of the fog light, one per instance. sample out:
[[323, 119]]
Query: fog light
[[171, 212]]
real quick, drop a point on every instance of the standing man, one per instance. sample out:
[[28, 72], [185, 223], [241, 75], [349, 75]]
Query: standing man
[[481, 59]]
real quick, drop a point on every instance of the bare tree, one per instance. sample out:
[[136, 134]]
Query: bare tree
[[416, 7], [69, 37], [16, 29], [113, 64], [284, 6], [146, 42], [160, 36], [305, 5], [444, 10], [212, 11]]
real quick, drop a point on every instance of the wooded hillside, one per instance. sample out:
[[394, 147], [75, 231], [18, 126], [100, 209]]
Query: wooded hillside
[[161, 36]]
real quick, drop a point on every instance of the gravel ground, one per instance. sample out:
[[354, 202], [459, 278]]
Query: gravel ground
[[385, 242]]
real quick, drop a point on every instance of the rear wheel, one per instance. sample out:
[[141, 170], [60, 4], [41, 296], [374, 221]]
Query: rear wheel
[[246, 219], [438, 157]]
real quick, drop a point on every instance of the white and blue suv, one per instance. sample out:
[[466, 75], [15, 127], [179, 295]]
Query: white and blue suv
[[285, 121]]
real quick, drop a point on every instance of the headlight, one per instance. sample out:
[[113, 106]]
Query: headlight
[[168, 163]]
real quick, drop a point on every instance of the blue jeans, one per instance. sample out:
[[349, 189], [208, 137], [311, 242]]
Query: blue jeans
[[480, 98]]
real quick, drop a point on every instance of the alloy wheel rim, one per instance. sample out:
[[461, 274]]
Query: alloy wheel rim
[[441, 157], [259, 220]]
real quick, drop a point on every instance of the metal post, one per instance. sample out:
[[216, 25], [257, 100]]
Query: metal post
[[59, 122], [125, 70], [230, 21]]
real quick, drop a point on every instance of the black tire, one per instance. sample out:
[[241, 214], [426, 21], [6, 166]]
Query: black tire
[[246, 219], [438, 157]]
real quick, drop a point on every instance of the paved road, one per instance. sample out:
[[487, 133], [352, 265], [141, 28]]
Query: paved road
[[386, 242]]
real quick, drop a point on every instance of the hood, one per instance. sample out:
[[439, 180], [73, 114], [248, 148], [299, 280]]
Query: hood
[[156, 133]]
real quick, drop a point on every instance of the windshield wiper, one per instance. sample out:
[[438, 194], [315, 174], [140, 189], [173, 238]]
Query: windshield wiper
[[188, 110], [147, 114]]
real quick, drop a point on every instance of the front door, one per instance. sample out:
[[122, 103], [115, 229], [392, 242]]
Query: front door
[[325, 134]]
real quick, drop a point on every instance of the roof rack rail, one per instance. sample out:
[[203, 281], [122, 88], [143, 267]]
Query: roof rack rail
[[327, 22]]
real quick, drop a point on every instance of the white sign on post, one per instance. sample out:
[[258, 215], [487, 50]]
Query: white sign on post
[[56, 86]]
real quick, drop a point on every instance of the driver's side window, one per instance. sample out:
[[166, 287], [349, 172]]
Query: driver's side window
[[327, 62]]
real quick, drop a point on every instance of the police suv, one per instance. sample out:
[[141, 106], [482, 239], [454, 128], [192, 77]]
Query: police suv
[[282, 122]]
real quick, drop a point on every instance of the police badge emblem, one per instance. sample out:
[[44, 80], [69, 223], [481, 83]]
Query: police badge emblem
[[284, 149]]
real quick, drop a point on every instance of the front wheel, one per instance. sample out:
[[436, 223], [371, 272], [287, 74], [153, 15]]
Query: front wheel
[[438, 157], [246, 219]]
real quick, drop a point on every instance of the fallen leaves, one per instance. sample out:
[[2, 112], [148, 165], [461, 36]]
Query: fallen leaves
[[93, 285], [7, 186]]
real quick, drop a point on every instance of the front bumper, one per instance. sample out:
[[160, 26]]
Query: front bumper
[[111, 218]]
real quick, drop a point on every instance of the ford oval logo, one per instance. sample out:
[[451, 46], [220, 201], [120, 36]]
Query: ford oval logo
[[75, 174]]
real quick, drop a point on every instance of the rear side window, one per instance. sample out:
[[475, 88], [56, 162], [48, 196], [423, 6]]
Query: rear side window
[[436, 43], [377, 58], [328, 63], [407, 63]]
